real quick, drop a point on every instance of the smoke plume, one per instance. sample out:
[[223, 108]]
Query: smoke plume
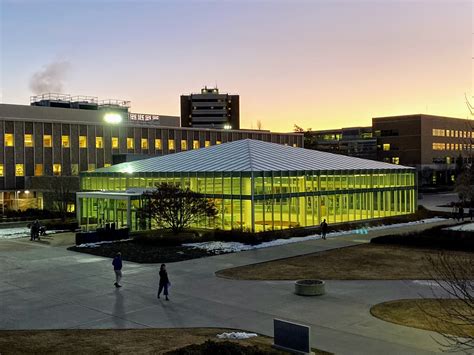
[[50, 78]]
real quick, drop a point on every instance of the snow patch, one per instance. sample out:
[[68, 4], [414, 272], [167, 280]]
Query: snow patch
[[469, 227], [18, 232], [231, 247], [95, 245], [236, 335]]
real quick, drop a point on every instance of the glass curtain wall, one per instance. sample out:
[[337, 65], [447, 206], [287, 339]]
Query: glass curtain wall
[[281, 199]]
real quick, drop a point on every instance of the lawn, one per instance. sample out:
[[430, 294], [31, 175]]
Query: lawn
[[360, 262], [111, 341], [427, 314]]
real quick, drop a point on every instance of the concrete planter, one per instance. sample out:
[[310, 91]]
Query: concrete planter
[[310, 287]]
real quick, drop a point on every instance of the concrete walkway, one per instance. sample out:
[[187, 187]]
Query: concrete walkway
[[44, 287]]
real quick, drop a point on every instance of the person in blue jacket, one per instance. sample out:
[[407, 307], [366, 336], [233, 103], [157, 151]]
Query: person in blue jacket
[[117, 263]]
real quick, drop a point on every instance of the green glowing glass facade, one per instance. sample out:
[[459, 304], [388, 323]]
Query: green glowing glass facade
[[258, 201], [257, 186]]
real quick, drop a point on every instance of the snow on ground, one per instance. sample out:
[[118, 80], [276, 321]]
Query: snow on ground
[[229, 247], [469, 227], [236, 335], [18, 232], [95, 245]]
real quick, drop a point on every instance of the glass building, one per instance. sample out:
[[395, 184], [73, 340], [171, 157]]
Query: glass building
[[257, 186]]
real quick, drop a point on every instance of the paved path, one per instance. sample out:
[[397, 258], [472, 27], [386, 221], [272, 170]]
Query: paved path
[[435, 201], [45, 287]]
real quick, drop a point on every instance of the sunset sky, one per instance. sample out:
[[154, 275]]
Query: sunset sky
[[319, 64]]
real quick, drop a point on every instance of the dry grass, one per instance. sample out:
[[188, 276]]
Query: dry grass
[[427, 314], [360, 262], [112, 341]]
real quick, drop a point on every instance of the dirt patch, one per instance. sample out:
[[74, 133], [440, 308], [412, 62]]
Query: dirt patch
[[427, 314], [112, 341], [360, 262]]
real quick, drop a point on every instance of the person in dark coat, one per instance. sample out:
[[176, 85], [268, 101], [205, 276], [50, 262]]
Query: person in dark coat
[[324, 229], [164, 282], [461, 213], [117, 263], [32, 231]]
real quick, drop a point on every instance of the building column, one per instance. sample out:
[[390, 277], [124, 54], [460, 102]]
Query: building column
[[78, 210], [129, 213]]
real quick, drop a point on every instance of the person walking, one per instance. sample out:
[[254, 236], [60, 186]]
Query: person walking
[[324, 229], [164, 282], [117, 263], [32, 230], [461, 213], [471, 212], [37, 226]]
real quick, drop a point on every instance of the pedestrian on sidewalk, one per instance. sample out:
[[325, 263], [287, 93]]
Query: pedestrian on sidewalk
[[164, 282], [117, 263], [461, 213], [324, 229]]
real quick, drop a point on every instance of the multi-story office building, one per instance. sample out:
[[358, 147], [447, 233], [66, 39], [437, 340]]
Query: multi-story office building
[[210, 109], [353, 141], [430, 143], [48, 141]]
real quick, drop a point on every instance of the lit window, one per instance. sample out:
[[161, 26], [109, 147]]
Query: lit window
[[90, 167], [130, 144], [38, 169], [207, 143], [106, 165], [70, 207], [395, 160], [195, 144], [1, 170], [99, 142], [115, 143], [439, 132], [294, 145], [171, 144], [74, 169], [184, 145], [28, 140], [158, 144], [65, 141], [144, 142], [82, 142], [9, 140], [47, 141], [386, 147], [57, 169], [218, 142], [19, 171], [439, 146]]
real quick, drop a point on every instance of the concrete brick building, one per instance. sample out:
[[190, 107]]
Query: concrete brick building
[[210, 109], [430, 143]]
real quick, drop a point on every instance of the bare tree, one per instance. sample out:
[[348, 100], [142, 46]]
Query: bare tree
[[453, 291], [177, 208], [58, 192], [298, 129], [259, 125], [62, 193]]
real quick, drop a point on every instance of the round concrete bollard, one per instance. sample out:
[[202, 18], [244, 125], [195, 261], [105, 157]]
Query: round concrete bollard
[[310, 287]]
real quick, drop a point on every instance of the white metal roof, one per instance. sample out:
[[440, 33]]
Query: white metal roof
[[248, 155]]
